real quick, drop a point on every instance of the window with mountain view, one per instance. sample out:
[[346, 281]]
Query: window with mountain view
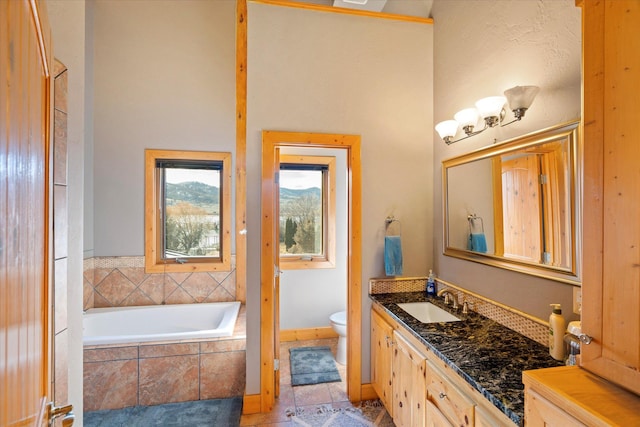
[[187, 210], [307, 211]]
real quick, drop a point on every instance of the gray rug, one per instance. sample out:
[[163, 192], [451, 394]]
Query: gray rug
[[199, 413], [313, 365], [368, 414]]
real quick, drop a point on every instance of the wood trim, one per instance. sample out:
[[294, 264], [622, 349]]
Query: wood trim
[[272, 140], [152, 233], [345, 11], [367, 392], [307, 334], [241, 151], [251, 404]]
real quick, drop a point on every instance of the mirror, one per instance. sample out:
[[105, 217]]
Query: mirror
[[516, 204]]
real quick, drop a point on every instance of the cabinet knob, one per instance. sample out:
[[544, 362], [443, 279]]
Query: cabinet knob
[[585, 339], [442, 395]]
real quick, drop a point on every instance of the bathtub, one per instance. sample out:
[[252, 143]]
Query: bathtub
[[175, 322]]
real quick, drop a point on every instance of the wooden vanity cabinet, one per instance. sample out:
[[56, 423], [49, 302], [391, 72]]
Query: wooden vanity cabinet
[[418, 388]]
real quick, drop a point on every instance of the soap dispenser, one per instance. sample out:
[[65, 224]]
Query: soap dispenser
[[556, 332], [431, 284]]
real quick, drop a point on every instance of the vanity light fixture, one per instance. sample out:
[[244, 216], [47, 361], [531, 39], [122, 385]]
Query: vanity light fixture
[[492, 111]]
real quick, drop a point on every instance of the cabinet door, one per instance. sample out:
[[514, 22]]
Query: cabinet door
[[611, 236], [408, 382], [448, 398], [381, 348]]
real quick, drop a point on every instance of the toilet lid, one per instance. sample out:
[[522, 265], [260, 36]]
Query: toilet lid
[[340, 318]]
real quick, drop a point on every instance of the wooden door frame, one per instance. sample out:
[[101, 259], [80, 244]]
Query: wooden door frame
[[271, 142]]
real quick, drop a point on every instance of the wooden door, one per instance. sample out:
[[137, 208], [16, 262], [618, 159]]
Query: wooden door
[[521, 208], [611, 284], [25, 80]]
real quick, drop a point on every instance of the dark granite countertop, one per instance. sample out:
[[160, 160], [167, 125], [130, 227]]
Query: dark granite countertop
[[489, 356]]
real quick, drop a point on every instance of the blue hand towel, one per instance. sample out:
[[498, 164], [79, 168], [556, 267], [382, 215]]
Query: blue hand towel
[[392, 256], [477, 242]]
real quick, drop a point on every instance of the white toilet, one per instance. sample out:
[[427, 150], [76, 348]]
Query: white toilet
[[339, 324]]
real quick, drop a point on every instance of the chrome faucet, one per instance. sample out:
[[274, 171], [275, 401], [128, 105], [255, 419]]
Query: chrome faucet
[[449, 298]]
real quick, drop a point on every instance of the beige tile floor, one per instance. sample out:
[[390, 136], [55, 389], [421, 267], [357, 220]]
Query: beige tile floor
[[331, 395]]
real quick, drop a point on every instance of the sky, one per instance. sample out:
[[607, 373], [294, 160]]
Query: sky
[[298, 180], [295, 180], [176, 176]]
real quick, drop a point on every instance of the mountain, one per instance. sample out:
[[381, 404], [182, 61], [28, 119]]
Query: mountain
[[287, 194], [203, 195], [196, 193]]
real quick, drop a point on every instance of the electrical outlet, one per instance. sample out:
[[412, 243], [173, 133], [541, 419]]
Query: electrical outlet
[[577, 300]]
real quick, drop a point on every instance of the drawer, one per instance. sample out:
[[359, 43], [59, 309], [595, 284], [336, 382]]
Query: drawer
[[435, 418], [539, 412], [452, 402]]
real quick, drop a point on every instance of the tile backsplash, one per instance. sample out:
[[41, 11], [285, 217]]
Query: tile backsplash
[[122, 281], [523, 323]]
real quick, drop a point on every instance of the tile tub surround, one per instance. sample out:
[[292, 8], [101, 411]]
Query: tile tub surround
[[122, 281], [529, 326], [489, 356], [146, 374]]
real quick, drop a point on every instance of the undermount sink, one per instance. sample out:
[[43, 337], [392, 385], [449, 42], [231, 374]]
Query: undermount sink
[[427, 312]]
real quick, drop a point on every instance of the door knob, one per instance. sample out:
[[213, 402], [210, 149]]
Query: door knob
[[61, 411]]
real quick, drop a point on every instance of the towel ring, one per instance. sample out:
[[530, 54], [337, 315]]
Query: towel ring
[[473, 217], [392, 227]]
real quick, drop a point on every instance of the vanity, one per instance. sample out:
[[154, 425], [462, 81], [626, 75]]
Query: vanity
[[459, 373]]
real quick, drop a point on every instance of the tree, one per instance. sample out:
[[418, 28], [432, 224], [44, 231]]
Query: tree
[[307, 209], [305, 237], [289, 232], [185, 228]]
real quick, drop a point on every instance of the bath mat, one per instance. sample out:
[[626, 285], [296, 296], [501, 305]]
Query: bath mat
[[369, 414], [313, 365]]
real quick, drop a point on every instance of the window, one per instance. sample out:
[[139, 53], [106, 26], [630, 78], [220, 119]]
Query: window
[[187, 211], [307, 212]]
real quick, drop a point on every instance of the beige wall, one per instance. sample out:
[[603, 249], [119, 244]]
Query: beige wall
[[164, 78], [482, 48], [322, 72]]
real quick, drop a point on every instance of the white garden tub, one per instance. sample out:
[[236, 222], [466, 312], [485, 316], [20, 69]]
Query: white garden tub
[[175, 322]]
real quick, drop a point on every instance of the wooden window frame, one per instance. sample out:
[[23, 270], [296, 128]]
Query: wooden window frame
[[328, 258], [152, 253]]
